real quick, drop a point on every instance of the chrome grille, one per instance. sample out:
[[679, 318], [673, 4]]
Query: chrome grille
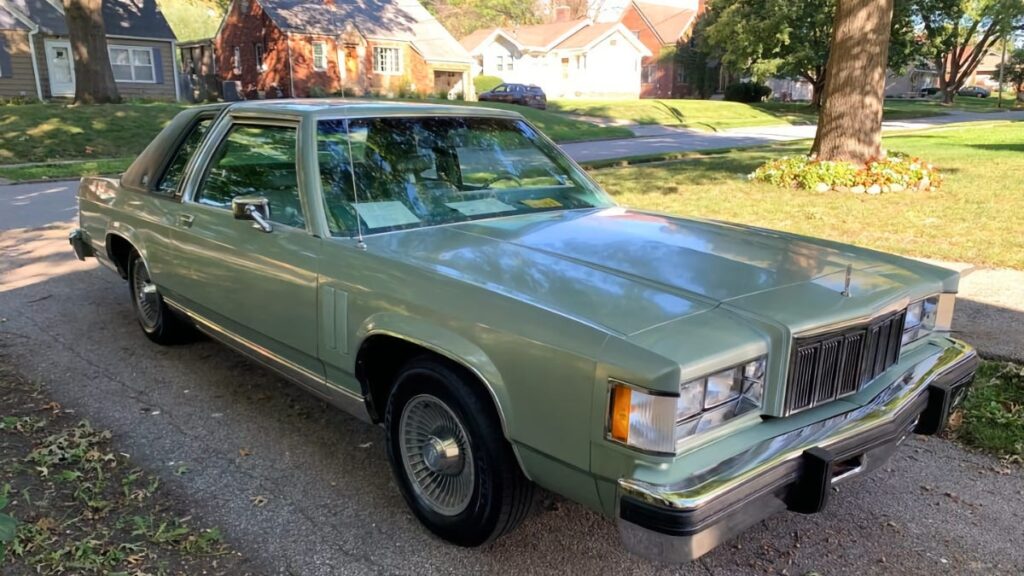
[[837, 364]]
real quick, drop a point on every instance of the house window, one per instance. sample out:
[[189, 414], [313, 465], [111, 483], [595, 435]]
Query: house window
[[388, 60], [258, 48], [236, 60], [319, 56], [681, 74], [499, 63], [132, 64], [509, 65], [650, 73]]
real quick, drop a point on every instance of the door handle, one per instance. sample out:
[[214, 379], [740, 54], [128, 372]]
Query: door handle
[[185, 220]]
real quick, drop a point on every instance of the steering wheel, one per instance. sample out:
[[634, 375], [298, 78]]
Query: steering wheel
[[504, 175]]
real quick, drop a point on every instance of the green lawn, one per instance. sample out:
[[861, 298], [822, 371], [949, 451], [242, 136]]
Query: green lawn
[[976, 216], [721, 115], [48, 132]]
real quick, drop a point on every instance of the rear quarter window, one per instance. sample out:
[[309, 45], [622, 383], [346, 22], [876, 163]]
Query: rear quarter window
[[171, 178]]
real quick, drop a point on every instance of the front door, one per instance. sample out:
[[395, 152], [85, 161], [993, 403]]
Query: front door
[[258, 285], [61, 68]]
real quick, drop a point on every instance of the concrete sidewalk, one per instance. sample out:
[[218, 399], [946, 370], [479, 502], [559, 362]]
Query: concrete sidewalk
[[657, 139]]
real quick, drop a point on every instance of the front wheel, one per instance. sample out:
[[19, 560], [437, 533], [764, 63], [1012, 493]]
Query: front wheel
[[159, 322], [449, 457]]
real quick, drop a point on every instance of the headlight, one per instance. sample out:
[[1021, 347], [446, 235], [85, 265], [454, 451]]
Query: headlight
[[661, 422], [928, 315]]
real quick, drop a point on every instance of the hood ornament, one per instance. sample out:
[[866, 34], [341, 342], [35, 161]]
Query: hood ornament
[[846, 286]]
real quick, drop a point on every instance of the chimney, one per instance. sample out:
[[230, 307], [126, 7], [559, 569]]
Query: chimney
[[563, 13]]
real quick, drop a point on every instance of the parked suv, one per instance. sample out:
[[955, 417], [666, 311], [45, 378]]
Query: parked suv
[[522, 94]]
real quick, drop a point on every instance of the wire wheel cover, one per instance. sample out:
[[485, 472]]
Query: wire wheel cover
[[436, 454], [146, 297]]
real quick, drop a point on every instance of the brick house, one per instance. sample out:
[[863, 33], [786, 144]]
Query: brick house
[[305, 48], [36, 61], [662, 26]]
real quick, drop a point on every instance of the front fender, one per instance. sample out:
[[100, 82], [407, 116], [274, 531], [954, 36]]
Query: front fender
[[449, 344]]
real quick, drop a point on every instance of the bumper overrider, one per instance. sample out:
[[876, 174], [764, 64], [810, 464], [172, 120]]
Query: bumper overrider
[[681, 521], [80, 243]]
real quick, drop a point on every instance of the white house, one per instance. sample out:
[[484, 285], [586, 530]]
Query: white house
[[567, 58]]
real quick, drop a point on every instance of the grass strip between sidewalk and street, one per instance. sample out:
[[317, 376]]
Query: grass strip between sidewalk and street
[[71, 503]]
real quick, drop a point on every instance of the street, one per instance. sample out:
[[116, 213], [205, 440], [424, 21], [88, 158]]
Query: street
[[655, 139], [221, 432]]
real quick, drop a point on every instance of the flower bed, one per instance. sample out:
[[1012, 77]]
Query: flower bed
[[893, 173]]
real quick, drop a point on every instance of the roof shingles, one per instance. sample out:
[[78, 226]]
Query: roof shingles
[[137, 18], [405, 20]]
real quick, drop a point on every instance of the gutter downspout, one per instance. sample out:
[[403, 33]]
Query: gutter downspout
[[35, 61], [177, 70], [291, 76]]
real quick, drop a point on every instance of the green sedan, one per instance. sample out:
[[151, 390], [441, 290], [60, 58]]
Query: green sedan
[[449, 274]]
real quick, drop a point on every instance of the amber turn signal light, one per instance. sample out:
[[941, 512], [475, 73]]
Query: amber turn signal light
[[621, 400]]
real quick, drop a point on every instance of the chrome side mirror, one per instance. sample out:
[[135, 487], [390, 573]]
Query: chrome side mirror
[[255, 208]]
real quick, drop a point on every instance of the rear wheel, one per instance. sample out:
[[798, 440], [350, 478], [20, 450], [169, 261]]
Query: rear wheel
[[159, 322], [449, 457]]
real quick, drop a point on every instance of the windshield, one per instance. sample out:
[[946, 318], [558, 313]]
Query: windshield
[[427, 171]]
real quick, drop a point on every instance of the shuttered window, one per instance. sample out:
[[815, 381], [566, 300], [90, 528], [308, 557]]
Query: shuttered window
[[132, 64]]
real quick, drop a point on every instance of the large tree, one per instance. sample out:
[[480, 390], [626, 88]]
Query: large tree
[[850, 119], [94, 80], [788, 38], [958, 34]]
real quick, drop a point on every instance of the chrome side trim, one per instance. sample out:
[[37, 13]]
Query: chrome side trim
[[698, 490], [339, 397]]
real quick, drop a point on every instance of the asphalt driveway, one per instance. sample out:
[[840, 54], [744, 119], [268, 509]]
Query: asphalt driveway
[[222, 432]]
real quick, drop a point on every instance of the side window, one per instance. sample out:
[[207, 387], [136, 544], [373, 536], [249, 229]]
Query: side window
[[256, 161], [172, 175]]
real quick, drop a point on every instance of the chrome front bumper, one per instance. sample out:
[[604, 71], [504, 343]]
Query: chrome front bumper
[[681, 521]]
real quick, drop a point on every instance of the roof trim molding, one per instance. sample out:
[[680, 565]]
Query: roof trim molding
[[620, 28], [568, 34], [23, 18], [490, 38], [652, 27], [646, 20]]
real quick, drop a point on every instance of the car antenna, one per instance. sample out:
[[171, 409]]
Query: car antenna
[[355, 190]]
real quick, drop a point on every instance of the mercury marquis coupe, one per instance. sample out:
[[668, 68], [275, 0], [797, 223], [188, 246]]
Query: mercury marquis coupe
[[450, 274]]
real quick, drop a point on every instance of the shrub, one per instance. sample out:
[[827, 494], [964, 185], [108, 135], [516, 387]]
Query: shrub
[[893, 173], [747, 92], [317, 92], [484, 83]]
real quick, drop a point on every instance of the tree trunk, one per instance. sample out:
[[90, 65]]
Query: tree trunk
[[818, 94], [850, 120], [94, 80]]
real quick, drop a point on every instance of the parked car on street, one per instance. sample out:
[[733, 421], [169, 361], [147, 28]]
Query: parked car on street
[[974, 92], [449, 274], [522, 94]]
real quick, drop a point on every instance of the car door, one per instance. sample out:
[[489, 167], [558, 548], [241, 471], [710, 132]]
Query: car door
[[258, 287]]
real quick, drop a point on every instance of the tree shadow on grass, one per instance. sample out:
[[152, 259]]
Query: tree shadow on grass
[[47, 132]]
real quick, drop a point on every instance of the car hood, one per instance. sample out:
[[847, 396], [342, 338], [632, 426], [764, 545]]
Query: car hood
[[627, 270]]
